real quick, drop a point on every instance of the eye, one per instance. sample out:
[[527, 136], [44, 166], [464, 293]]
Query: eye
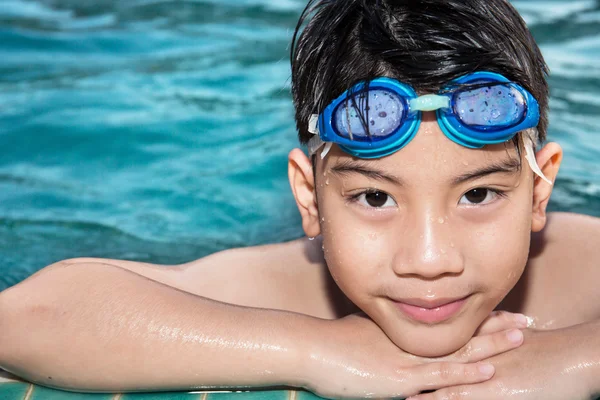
[[375, 199], [480, 196]]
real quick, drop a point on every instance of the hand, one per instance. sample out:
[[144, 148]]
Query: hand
[[354, 358], [490, 338], [549, 365]]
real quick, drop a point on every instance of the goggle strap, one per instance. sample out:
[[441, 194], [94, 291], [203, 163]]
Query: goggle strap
[[315, 143], [313, 124], [326, 150], [530, 156]]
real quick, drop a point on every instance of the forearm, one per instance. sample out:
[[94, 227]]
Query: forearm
[[578, 355], [101, 328], [592, 360]]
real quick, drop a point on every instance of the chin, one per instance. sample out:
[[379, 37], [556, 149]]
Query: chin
[[433, 341], [438, 342]]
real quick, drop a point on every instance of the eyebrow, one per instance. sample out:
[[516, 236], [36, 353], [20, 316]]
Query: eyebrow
[[507, 166], [347, 167]]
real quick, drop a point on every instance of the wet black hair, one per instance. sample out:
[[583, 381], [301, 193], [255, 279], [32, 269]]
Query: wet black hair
[[425, 43]]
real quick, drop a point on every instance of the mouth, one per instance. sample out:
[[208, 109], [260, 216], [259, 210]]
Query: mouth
[[431, 311]]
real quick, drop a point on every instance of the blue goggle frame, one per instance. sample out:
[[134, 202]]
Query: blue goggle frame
[[475, 136]]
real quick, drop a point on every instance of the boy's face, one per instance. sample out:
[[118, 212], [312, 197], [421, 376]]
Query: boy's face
[[429, 240]]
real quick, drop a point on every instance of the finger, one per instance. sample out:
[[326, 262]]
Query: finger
[[501, 321], [481, 347], [443, 375], [451, 393]]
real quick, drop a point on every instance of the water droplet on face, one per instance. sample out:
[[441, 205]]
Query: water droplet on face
[[311, 238], [441, 220], [443, 251], [323, 219], [327, 182], [452, 244], [466, 163]]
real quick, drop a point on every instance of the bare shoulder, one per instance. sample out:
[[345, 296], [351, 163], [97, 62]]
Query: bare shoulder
[[560, 284], [290, 276], [572, 229], [568, 245]]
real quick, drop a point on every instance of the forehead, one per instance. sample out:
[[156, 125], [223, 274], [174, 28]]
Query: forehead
[[431, 156]]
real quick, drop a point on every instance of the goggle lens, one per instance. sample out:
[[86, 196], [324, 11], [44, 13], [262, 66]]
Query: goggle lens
[[380, 111], [494, 107]]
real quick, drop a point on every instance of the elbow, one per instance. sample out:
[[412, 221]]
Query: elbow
[[12, 315], [29, 303], [21, 347], [4, 325], [28, 311], [41, 316]]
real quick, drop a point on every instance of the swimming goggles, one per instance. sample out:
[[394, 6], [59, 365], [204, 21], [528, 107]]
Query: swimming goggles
[[377, 118]]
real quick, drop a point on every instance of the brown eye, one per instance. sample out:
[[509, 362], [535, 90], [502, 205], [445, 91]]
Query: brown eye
[[377, 199], [477, 196]]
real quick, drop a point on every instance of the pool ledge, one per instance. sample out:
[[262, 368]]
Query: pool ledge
[[13, 388]]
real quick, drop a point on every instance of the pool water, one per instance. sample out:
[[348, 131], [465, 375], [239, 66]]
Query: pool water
[[158, 130]]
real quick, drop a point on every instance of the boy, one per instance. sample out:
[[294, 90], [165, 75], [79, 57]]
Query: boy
[[424, 221]]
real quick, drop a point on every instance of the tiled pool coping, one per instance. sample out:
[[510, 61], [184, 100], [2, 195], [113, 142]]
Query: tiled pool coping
[[11, 388]]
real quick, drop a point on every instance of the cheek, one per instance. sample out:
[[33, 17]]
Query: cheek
[[354, 251], [500, 252]]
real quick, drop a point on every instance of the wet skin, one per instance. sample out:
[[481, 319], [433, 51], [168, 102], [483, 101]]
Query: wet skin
[[429, 225]]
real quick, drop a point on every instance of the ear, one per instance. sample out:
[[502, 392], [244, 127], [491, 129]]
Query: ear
[[549, 159], [302, 181]]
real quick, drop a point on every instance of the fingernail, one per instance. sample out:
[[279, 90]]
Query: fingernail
[[487, 370], [521, 320], [515, 336]]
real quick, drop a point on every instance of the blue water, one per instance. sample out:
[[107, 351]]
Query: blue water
[[158, 130]]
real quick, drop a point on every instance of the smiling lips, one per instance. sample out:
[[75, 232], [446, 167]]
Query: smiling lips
[[431, 311]]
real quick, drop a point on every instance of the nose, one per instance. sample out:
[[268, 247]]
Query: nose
[[429, 251]]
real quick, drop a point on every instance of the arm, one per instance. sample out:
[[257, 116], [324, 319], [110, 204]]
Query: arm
[[590, 364], [97, 327]]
